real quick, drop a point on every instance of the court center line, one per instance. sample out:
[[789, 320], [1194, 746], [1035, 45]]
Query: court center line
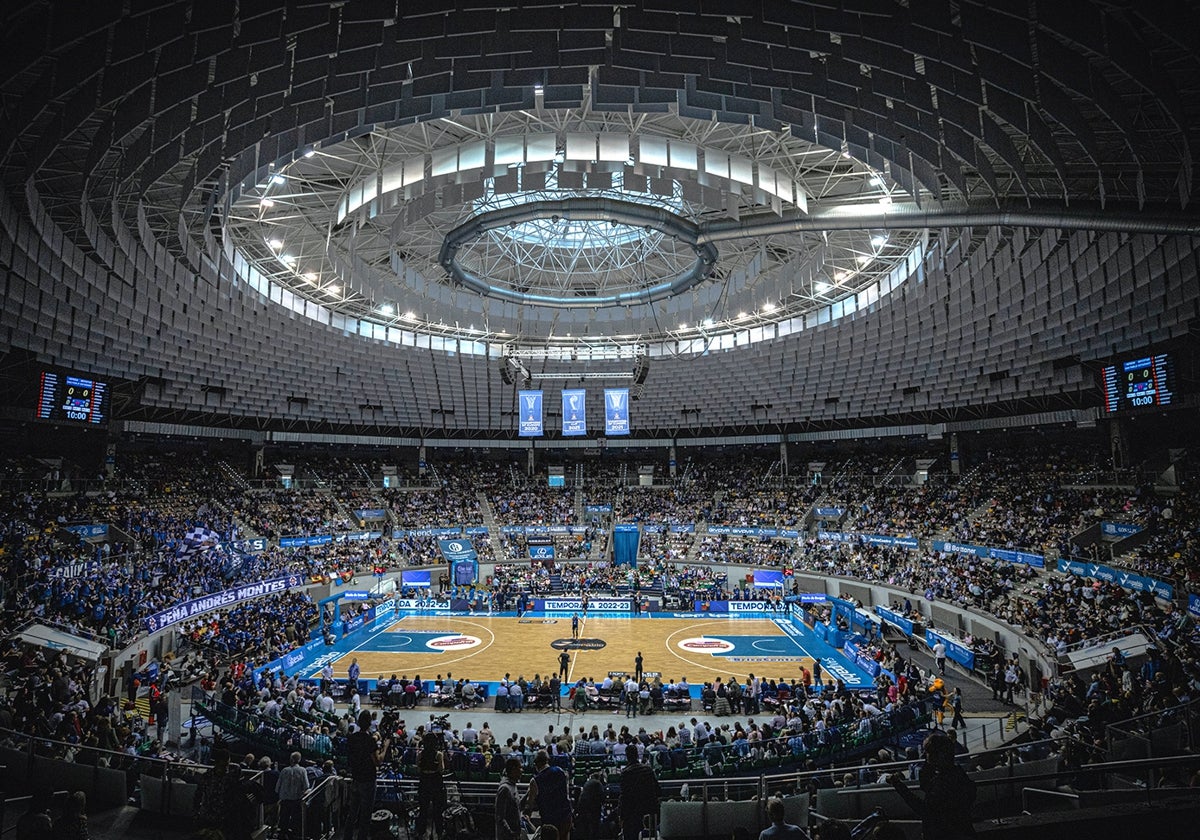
[[575, 653]]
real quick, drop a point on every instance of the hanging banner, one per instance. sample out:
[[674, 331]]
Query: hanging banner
[[456, 550], [573, 418], [616, 411], [530, 413], [218, 600]]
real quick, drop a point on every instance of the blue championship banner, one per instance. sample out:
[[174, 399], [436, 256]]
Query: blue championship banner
[[455, 551], [574, 420], [530, 409], [616, 411]]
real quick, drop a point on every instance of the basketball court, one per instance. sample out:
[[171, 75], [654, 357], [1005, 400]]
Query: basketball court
[[485, 649]]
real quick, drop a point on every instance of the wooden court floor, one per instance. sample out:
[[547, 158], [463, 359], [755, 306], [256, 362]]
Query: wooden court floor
[[486, 649]]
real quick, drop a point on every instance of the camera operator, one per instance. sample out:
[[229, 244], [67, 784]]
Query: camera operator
[[431, 786], [365, 755]]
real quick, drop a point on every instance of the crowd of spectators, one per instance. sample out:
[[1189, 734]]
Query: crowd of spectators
[[267, 627], [1008, 499], [530, 505], [50, 698]]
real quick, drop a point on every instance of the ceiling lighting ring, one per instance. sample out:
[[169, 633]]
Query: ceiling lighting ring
[[603, 211]]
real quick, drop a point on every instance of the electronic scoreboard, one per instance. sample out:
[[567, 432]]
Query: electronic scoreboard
[[66, 397], [1144, 382]]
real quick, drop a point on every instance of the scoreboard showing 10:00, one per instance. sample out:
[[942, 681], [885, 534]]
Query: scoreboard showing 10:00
[[1145, 382], [65, 397]]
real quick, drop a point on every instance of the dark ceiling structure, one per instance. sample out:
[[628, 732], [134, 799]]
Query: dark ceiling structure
[[356, 215]]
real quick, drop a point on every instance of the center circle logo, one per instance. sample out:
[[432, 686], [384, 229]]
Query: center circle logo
[[703, 644], [453, 642], [578, 644], [455, 546]]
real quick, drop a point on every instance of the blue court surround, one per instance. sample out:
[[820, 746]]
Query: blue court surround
[[389, 636]]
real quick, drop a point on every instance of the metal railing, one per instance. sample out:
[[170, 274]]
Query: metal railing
[[1163, 732]]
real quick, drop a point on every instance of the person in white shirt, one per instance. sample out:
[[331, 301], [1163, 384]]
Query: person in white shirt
[[469, 736], [630, 694], [939, 656]]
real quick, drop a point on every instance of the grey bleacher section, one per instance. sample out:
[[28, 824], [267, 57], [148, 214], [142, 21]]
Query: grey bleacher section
[[928, 338], [853, 802], [861, 593], [693, 820], [104, 787]]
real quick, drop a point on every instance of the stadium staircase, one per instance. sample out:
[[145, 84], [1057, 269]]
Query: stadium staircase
[[897, 471], [363, 474], [809, 519], [489, 522], [344, 512], [236, 479]]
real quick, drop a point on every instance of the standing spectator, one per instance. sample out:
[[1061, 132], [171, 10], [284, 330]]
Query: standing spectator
[[73, 825], [949, 794], [780, 829], [209, 804], [997, 681], [549, 793], [587, 809], [291, 787], [939, 656], [431, 785], [270, 783], [639, 794], [630, 694], [637, 667], [352, 674], [327, 678], [956, 702], [508, 803], [35, 823], [364, 756], [161, 712], [1011, 677]]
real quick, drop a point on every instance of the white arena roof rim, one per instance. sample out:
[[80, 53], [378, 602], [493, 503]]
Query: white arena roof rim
[[396, 193]]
